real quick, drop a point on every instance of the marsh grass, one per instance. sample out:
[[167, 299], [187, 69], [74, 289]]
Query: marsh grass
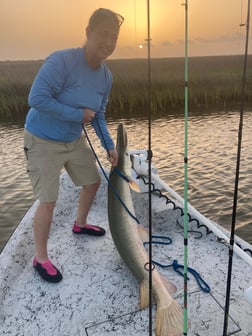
[[214, 82], [15, 80]]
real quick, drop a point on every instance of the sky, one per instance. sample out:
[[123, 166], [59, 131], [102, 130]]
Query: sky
[[32, 29]]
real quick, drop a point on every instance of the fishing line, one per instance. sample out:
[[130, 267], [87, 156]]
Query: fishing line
[[186, 174], [149, 166], [231, 243]]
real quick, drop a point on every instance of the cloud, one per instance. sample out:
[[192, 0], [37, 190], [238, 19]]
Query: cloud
[[237, 36], [166, 44]]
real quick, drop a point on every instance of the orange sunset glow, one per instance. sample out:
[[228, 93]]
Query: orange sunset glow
[[31, 29]]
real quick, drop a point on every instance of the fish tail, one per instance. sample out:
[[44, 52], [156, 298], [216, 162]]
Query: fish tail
[[144, 290], [144, 294], [169, 319], [169, 314], [171, 288]]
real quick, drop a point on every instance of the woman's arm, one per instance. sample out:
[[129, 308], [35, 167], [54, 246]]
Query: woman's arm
[[48, 83]]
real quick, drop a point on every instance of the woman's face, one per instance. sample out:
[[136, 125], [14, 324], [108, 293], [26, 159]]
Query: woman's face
[[101, 40]]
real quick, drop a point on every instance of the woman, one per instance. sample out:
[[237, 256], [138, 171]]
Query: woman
[[71, 88]]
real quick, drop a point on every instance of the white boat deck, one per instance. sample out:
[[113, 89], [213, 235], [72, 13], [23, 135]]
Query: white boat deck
[[98, 295]]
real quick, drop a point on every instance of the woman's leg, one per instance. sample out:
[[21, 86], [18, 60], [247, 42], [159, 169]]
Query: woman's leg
[[41, 228], [86, 199]]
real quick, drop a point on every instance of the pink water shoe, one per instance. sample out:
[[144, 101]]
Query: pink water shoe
[[88, 229], [47, 271]]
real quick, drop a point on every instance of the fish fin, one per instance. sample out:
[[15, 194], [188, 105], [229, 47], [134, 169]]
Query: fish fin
[[171, 288], [134, 185], [144, 294], [169, 319], [144, 234]]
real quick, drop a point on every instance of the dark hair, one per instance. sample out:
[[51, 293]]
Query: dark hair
[[103, 14]]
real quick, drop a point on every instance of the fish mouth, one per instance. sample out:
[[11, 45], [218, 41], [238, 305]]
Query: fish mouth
[[124, 162], [122, 140]]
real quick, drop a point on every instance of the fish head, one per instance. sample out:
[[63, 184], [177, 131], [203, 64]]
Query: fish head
[[124, 162]]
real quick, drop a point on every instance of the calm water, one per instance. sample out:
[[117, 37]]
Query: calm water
[[211, 168]]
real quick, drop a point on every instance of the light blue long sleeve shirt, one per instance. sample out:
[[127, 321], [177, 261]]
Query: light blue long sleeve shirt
[[63, 87]]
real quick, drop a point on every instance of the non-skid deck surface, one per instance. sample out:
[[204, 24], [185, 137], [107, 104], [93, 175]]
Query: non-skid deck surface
[[98, 295]]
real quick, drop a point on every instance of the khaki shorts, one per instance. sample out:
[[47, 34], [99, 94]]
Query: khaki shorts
[[45, 160]]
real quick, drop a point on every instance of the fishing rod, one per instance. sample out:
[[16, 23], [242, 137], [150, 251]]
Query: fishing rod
[[231, 243], [149, 167], [185, 222]]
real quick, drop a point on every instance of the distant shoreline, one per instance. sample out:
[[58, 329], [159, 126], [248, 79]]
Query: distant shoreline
[[136, 58], [214, 83]]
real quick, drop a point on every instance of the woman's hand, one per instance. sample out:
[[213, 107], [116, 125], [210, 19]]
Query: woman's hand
[[113, 157], [88, 115]]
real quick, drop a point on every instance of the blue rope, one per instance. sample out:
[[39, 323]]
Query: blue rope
[[117, 170], [167, 242], [176, 266], [120, 173]]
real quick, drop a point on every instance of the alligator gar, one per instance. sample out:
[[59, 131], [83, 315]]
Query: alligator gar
[[127, 237]]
